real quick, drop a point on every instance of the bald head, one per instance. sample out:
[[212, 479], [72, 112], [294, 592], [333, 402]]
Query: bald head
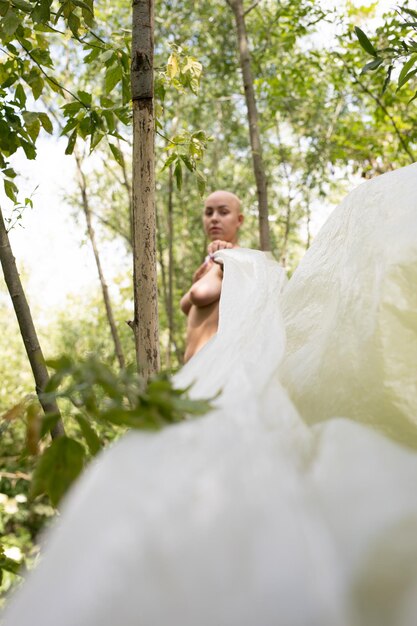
[[222, 216], [220, 196]]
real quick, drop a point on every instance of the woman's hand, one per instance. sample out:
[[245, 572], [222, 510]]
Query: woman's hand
[[218, 244]]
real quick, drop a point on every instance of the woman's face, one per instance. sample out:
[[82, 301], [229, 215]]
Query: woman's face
[[222, 217]]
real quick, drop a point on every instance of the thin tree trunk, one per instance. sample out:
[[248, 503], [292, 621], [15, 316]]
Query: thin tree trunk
[[163, 277], [167, 297], [145, 323], [27, 327], [255, 139], [288, 214], [109, 310], [171, 257], [128, 187]]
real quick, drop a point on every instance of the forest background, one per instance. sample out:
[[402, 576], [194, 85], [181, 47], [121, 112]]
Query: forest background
[[330, 114]]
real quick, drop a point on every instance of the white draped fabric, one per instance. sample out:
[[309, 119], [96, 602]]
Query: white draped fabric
[[285, 505]]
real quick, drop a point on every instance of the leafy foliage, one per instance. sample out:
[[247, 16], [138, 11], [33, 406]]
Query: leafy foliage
[[99, 398], [397, 47]]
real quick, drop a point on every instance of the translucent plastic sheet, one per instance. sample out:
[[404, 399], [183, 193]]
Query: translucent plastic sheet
[[350, 312], [260, 513]]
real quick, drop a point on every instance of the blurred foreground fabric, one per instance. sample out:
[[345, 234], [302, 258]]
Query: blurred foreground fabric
[[292, 503]]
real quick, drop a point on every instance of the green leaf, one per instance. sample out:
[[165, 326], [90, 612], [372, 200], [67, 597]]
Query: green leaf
[[406, 78], [72, 108], [107, 55], [70, 125], [32, 124], [89, 434], [54, 86], [42, 57], [96, 137], [201, 183], [71, 142], [46, 123], [23, 5], [106, 103], [57, 469], [20, 95], [173, 65], [409, 11], [110, 120], [372, 65], [126, 89], [83, 5], [48, 422], [10, 565], [187, 161], [92, 55], [29, 149], [405, 71], [365, 43], [36, 83], [74, 23], [178, 174], [118, 155], [42, 12], [9, 172], [387, 79], [10, 22], [172, 157], [10, 189], [85, 97], [88, 16], [114, 75], [4, 7]]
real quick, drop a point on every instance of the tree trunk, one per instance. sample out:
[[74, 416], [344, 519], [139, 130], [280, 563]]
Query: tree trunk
[[104, 288], [128, 187], [255, 139], [160, 248], [167, 290], [145, 323], [26, 325], [171, 257]]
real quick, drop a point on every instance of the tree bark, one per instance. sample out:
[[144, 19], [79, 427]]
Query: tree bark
[[145, 323], [27, 327], [128, 187], [171, 257], [92, 236], [160, 248], [255, 139]]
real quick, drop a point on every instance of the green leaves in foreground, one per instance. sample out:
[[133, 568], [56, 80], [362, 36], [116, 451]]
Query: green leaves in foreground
[[7, 564], [57, 468], [102, 397]]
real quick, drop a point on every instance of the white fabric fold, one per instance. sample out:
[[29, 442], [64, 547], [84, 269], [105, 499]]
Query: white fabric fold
[[260, 513]]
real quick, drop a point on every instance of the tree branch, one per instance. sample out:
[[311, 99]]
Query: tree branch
[[253, 6]]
